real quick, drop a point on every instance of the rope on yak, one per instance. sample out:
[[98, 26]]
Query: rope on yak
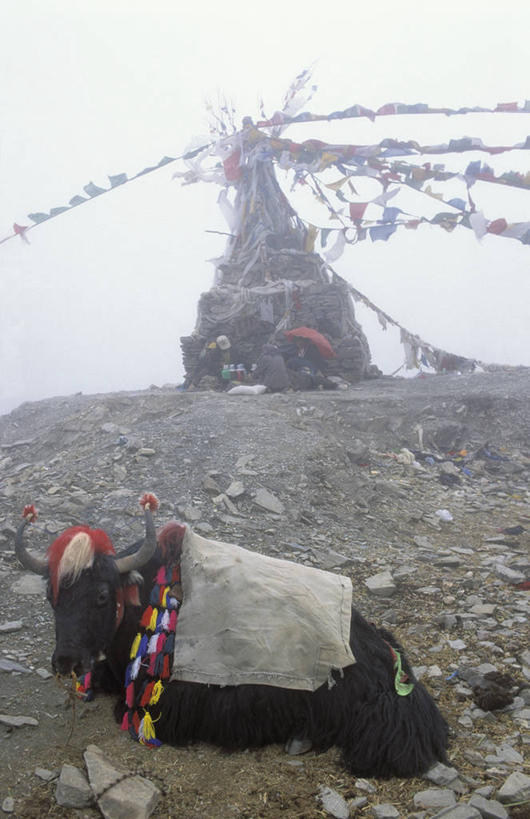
[[151, 657], [403, 688]]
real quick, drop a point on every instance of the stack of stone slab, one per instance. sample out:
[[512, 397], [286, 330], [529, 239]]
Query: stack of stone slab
[[283, 289]]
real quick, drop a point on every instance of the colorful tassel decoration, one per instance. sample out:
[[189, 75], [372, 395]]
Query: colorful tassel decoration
[[129, 695], [159, 666], [151, 657], [151, 669], [148, 727], [135, 667], [152, 624], [135, 646], [166, 671], [147, 694], [146, 617], [157, 691]]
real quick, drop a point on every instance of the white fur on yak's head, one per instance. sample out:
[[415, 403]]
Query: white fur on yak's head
[[86, 586]]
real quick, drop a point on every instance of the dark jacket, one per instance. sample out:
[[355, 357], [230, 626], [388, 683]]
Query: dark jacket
[[271, 370]]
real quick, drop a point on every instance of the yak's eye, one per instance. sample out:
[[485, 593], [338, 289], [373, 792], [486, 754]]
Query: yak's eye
[[102, 596]]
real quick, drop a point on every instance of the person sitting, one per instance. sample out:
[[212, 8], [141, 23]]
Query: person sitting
[[213, 358], [307, 355], [271, 370], [309, 366]]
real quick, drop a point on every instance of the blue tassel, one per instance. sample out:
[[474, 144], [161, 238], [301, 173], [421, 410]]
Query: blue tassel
[[155, 594], [159, 665], [169, 644], [144, 642]]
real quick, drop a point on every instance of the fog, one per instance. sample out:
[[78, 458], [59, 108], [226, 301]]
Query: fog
[[98, 300]]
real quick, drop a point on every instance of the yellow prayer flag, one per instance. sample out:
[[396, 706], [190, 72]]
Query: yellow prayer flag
[[311, 235], [334, 186], [327, 159]]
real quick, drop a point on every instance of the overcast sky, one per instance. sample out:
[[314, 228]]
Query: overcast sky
[[99, 299]]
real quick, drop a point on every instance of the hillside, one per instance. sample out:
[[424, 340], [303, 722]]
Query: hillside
[[316, 477]]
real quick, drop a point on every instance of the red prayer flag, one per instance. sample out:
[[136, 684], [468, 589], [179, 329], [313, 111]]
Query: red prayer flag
[[389, 108], [357, 210], [20, 230], [507, 106], [231, 166], [497, 226]]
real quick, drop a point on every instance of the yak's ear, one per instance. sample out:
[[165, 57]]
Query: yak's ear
[[131, 591]]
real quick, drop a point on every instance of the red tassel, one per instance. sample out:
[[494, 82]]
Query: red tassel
[[146, 696], [125, 722], [129, 695], [173, 620], [31, 512], [146, 617], [151, 669], [136, 721], [149, 500]]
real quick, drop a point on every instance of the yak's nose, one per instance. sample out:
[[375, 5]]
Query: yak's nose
[[63, 665]]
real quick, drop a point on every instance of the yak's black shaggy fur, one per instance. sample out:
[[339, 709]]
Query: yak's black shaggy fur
[[380, 733]]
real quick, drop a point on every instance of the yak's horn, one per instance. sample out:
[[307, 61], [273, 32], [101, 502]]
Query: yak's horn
[[129, 563], [39, 565]]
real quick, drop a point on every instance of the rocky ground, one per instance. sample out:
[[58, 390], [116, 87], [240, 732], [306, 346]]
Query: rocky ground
[[350, 481]]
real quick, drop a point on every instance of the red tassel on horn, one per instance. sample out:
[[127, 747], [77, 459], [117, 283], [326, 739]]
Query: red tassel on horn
[[31, 512], [150, 501]]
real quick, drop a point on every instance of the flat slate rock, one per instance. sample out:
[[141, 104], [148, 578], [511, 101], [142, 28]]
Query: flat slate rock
[[17, 721], [266, 500]]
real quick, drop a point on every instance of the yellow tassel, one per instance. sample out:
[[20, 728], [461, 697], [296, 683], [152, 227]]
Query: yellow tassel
[[135, 646], [152, 623], [164, 597], [157, 691], [149, 730]]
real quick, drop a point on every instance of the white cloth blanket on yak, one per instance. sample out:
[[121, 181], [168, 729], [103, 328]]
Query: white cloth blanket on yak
[[249, 618]]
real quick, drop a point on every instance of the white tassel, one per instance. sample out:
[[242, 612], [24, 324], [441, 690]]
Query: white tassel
[[135, 668]]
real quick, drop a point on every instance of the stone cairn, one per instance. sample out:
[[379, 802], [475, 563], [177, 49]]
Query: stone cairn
[[268, 282]]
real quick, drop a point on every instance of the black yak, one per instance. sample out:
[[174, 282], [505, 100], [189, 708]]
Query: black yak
[[116, 618]]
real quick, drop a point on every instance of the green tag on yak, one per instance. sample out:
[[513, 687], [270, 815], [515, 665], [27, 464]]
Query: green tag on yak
[[402, 688]]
